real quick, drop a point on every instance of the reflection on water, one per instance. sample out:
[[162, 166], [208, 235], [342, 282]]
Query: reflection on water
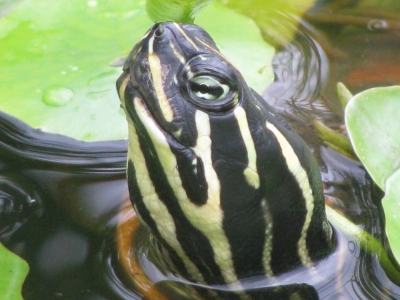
[[60, 203], [300, 69], [66, 198]]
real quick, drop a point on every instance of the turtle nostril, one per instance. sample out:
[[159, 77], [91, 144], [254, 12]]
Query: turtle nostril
[[159, 30]]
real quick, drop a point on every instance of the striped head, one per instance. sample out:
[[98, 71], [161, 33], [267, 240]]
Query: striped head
[[222, 182]]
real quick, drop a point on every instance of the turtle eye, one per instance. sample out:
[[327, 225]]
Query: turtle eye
[[209, 88]]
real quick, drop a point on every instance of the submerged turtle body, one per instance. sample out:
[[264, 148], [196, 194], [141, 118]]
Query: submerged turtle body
[[225, 185]]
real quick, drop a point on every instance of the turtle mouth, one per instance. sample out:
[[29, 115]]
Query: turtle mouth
[[143, 117], [151, 74], [142, 106], [152, 89]]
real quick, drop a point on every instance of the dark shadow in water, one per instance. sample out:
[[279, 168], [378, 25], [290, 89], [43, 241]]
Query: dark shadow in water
[[59, 202]]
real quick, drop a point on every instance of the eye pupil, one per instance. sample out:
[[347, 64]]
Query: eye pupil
[[203, 88], [208, 88], [205, 91]]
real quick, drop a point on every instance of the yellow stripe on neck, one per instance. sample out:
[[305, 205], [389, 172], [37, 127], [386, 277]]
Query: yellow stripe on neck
[[157, 75], [208, 217], [157, 209], [250, 172], [301, 176]]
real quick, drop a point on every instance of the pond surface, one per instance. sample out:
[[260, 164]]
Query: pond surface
[[61, 199]]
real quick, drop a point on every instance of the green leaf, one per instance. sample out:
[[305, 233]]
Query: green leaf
[[391, 205], [55, 61], [278, 20], [175, 10], [344, 94], [7, 5], [373, 123], [12, 274]]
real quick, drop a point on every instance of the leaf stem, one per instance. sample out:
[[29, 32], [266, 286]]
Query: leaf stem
[[367, 241]]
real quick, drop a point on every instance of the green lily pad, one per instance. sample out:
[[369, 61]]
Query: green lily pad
[[55, 61], [55, 64], [372, 119], [12, 274]]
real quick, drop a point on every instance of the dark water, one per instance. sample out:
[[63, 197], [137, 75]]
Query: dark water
[[60, 199]]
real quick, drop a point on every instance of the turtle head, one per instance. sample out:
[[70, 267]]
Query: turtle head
[[175, 70], [222, 182]]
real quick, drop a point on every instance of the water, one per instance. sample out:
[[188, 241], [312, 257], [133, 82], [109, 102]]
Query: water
[[57, 96], [61, 200]]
